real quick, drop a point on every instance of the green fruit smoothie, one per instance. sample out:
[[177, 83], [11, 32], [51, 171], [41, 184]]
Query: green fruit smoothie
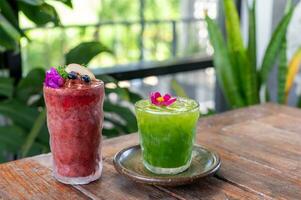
[[167, 134]]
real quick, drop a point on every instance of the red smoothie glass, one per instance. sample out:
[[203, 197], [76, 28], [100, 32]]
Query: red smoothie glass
[[74, 119]]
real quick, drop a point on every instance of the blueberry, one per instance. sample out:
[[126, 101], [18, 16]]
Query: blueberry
[[86, 78], [72, 75]]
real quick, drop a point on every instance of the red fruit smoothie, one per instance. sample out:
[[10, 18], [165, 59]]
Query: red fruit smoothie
[[74, 119]]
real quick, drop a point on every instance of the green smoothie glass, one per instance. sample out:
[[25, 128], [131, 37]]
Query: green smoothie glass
[[167, 134]]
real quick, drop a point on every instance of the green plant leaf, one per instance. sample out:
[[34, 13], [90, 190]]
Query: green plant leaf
[[252, 34], [274, 46], [33, 2], [66, 2], [36, 148], [9, 14], [11, 138], [235, 41], [134, 97], [299, 102], [84, 52], [9, 28], [282, 71], [288, 6], [40, 14], [21, 115], [2, 157], [225, 72], [247, 76], [62, 71], [125, 113], [180, 92], [30, 85], [43, 137], [117, 125], [106, 78], [121, 92], [6, 87], [7, 42], [110, 132], [33, 134]]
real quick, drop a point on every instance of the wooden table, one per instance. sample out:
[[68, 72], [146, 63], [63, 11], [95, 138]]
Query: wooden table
[[260, 149]]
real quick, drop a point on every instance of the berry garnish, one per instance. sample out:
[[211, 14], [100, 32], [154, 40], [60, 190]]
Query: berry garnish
[[86, 78], [72, 75], [79, 69]]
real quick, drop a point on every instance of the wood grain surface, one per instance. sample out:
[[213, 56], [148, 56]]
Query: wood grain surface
[[260, 148]]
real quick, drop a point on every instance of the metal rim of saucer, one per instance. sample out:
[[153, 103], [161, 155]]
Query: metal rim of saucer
[[147, 177]]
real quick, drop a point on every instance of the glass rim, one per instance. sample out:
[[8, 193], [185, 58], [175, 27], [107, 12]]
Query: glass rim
[[174, 112]]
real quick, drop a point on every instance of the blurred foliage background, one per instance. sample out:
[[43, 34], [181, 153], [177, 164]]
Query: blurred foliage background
[[23, 130], [243, 82], [117, 26]]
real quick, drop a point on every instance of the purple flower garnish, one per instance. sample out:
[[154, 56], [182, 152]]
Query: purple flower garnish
[[159, 100], [53, 79]]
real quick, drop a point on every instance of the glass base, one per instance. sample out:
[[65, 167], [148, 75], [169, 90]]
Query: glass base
[[160, 170], [79, 180]]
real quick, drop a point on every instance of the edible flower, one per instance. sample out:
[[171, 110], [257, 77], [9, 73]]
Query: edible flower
[[159, 100], [53, 78]]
